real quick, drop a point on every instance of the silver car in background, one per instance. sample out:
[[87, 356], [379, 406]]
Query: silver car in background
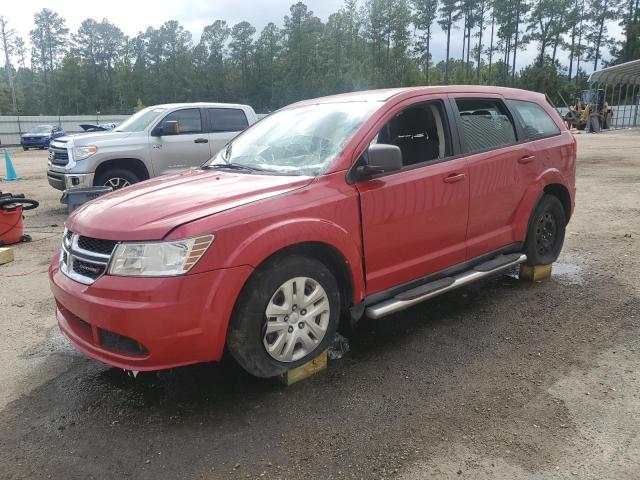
[[154, 141]]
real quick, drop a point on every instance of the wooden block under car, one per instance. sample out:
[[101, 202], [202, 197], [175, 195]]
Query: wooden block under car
[[535, 273], [6, 255], [304, 371]]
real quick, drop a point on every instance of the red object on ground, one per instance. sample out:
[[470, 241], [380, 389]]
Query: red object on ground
[[11, 225], [386, 231], [11, 220]]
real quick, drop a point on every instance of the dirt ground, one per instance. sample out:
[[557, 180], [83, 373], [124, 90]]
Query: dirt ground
[[503, 380]]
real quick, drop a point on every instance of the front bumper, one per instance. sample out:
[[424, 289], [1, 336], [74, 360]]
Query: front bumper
[[66, 181], [148, 323], [40, 143]]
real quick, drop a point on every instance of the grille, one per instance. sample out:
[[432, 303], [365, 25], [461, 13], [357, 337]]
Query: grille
[[58, 156], [88, 269], [85, 259], [96, 245]]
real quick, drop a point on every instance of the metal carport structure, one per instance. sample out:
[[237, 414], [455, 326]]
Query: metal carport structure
[[615, 80]]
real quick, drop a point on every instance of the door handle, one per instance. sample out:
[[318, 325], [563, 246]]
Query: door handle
[[454, 177], [201, 140], [526, 159]]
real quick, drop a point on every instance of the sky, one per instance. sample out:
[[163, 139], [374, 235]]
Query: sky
[[133, 16]]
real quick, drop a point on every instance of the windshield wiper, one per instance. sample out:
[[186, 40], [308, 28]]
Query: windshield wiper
[[236, 166]]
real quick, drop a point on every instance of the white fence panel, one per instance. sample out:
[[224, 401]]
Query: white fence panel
[[11, 127]]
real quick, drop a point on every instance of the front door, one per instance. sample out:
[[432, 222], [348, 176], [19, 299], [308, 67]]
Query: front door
[[189, 148], [414, 221]]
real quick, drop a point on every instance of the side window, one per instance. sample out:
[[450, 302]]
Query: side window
[[486, 124], [189, 119], [420, 131], [536, 123], [227, 119]]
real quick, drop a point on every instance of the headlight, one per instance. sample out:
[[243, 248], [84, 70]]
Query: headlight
[[80, 153], [158, 259]]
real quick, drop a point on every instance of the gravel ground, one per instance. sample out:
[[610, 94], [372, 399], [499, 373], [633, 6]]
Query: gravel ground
[[503, 380]]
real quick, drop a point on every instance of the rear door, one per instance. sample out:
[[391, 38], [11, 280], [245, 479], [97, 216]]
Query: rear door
[[224, 125], [488, 136], [189, 148], [414, 221]]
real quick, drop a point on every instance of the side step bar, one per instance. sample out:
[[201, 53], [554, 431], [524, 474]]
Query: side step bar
[[424, 292]]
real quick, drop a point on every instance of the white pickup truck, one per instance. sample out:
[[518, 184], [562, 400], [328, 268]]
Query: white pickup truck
[[154, 141]]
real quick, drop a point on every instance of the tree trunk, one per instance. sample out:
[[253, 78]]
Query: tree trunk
[[464, 41], [7, 63], [571, 52], [480, 41], [515, 44], [446, 65], [428, 53], [493, 23], [601, 29]]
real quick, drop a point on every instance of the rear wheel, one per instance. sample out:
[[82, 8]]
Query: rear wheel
[[546, 231], [285, 316], [116, 178]]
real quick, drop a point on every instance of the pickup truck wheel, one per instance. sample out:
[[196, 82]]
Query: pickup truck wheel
[[546, 232], [116, 178], [285, 316]]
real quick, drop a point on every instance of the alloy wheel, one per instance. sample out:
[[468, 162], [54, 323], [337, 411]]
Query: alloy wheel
[[117, 183]]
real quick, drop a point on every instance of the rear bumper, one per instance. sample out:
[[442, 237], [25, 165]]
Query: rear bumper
[[148, 323]]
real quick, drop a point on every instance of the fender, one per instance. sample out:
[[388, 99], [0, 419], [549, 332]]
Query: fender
[[532, 196], [262, 239], [287, 233]]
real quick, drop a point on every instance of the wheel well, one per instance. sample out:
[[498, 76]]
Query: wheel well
[[132, 164], [330, 257], [562, 194]]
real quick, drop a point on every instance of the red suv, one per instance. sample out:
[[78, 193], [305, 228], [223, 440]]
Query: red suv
[[358, 204]]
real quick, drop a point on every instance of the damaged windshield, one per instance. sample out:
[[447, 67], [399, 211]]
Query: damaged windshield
[[295, 141]]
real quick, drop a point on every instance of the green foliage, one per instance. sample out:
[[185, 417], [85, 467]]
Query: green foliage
[[365, 44]]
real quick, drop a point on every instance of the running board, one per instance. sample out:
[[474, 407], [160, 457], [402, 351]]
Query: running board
[[424, 292]]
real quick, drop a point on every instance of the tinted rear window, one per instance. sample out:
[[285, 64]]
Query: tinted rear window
[[227, 119], [486, 124], [536, 123]]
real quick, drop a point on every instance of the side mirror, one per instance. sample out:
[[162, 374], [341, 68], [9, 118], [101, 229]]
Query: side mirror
[[381, 158], [170, 127]]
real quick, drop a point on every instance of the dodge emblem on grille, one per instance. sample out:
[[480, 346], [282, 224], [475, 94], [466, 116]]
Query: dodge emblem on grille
[[88, 268]]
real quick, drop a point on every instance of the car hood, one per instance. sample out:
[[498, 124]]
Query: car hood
[[151, 209], [94, 138]]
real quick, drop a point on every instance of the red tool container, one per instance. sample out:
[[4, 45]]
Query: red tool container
[[11, 219]]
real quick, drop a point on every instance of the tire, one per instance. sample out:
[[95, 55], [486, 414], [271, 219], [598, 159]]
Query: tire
[[116, 178], [545, 236], [248, 339], [25, 148]]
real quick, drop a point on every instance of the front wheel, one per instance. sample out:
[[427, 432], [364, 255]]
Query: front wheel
[[116, 178], [545, 236], [285, 316], [25, 148]]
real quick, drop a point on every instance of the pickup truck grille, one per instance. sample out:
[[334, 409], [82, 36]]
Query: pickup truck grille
[[85, 259], [58, 156]]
